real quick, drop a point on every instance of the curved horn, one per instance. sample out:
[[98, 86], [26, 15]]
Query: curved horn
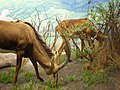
[[53, 60], [68, 58]]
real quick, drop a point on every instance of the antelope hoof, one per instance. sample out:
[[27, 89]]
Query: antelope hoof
[[70, 60], [81, 56], [41, 79], [14, 83]]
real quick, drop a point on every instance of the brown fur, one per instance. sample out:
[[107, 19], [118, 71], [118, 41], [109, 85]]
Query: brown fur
[[47, 49], [78, 28], [25, 41]]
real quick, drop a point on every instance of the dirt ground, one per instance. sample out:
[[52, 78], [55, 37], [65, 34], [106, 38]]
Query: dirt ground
[[72, 69]]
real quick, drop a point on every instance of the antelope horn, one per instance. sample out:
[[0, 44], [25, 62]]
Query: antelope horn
[[68, 58], [54, 59], [62, 65]]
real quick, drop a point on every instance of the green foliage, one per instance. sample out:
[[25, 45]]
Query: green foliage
[[53, 86], [102, 12], [70, 78], [37, 86], [87, 50], [28, 75], [6, 77], [92, 78], [113, 67], [78, 28], [75, 54], [28, 86], [107, 17], [99, 13]]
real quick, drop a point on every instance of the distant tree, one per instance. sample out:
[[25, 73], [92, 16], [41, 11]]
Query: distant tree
[[37, 21]]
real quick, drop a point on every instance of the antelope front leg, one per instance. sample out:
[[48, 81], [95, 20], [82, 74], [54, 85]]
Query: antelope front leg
[[68, 53], [82, 45], [36, 69], [91, 55], [60, 51], [18, 65], [82, 48], [89, 40], [54, 79]]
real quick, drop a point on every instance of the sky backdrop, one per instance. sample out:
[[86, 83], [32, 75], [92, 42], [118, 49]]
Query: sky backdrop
[[22, 9]]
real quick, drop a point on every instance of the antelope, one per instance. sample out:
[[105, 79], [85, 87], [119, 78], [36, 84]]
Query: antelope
[[22, 38], [82, 28]]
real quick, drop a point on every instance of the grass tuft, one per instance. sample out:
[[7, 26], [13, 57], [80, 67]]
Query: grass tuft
[[70, 78], [92, 78]]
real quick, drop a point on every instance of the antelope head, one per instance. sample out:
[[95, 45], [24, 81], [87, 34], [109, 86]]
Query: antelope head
[[101, 37], [54, 67]]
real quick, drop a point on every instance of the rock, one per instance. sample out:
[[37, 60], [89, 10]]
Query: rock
[[9, 59]]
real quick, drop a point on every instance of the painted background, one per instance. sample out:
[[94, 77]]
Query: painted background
[[63, 9], [23, 9]]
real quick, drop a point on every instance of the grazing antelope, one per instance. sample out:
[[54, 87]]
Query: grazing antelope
[[22, 38], [77, 28]]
